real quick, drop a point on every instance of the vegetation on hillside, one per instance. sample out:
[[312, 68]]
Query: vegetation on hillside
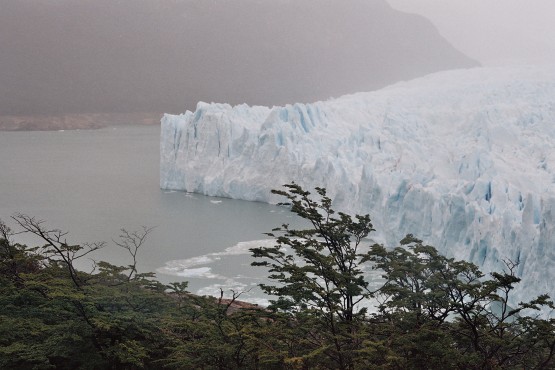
[[432, 312]]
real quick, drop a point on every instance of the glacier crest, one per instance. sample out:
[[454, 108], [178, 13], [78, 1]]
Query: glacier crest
[[464, 160]]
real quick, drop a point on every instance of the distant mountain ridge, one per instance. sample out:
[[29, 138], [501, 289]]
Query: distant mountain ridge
[[91, 56]]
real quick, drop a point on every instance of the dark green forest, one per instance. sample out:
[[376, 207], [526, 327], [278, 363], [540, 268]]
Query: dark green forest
[[432, 312]]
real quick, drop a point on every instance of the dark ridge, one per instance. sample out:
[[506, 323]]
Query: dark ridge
[[93, 56]]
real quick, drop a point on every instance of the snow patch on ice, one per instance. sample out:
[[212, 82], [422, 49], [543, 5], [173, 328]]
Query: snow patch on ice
[[464, 160]]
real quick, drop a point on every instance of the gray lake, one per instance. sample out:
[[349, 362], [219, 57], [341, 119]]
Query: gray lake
[[93, 183]]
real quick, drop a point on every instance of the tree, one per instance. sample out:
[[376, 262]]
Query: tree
[[439, 312], [319, 274], [55, 316], [433, 311], [223, 337]]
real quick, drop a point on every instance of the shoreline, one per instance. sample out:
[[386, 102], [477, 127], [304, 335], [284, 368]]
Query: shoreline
[[76, 121]]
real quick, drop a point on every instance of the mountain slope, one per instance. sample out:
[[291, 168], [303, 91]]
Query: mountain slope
[[87, 56]]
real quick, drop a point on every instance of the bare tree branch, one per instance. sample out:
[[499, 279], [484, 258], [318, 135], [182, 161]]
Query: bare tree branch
[[132, 242]]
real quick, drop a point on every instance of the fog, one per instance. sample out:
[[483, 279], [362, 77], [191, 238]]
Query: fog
[[493, 31], [87, 56]]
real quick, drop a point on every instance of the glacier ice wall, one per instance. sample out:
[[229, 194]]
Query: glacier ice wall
[[464, 160]]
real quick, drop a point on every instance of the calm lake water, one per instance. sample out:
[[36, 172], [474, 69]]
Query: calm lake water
[[93, 183]]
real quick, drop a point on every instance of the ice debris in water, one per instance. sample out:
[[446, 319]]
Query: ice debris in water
[[464, 160]]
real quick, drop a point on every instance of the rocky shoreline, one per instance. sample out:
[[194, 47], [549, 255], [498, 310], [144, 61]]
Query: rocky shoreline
[[76, 121]]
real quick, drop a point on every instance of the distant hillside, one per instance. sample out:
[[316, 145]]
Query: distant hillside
[[66, 56]]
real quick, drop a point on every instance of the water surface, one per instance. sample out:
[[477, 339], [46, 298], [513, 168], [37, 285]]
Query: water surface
[[93, 183]]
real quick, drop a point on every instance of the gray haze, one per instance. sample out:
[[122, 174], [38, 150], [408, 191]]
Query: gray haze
[[493, 31], [87, 56]]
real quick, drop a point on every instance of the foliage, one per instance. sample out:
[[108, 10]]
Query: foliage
[[322, 277], [439, 300], [66, 318], [431, 312]]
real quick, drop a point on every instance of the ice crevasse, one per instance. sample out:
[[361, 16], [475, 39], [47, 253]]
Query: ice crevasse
[[464, 160]]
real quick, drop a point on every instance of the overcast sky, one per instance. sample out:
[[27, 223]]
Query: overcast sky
[[88, 56], [493, 31]]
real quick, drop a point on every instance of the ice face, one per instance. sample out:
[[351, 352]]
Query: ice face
[[464, 160]]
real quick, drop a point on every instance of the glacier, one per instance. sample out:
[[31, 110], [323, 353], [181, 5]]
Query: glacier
[[462, 159]]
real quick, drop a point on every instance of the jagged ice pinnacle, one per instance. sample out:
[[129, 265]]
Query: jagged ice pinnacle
[[464, 160]]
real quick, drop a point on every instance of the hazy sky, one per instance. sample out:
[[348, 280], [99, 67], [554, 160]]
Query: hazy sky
[[68, 56], [89, 56], [493, 31]]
